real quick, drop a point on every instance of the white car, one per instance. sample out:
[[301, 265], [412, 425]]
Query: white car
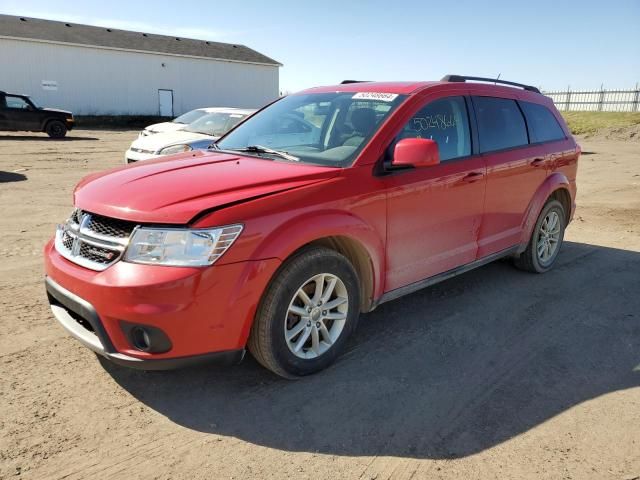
[[177, 123], [197, 135]]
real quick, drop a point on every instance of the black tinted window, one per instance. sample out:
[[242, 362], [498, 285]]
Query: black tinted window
[[500, 123], [543, 125], [16, 102], [446, 122]]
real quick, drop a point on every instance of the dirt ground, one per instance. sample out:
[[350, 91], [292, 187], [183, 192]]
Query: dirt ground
[[493, 374]]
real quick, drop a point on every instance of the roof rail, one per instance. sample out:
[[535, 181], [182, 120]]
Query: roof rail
[[344, 82], [464, 78]]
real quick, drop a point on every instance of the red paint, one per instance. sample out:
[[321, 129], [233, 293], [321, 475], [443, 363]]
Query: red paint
[[411, 224], [416, 152]]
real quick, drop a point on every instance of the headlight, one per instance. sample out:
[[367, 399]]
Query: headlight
[[174, 149], [180, 247]]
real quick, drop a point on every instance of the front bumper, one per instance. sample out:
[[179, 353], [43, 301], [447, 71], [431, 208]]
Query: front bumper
[[66, 305], [206, 313]]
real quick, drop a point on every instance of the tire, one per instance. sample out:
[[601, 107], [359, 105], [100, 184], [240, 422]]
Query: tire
[[531, 260], [284, 318], [56, 129]]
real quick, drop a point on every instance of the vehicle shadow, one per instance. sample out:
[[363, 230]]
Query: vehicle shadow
[[7, 177], [44, 138], [444, 373]]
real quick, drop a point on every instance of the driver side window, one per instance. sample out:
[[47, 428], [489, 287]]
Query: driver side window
[[446, 122], [17, 103]]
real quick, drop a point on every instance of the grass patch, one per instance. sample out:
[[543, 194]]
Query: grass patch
[[582, 123]]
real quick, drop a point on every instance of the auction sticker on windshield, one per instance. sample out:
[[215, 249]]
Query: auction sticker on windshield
[[385, 97]]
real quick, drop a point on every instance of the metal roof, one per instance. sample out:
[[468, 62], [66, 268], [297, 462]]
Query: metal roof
[[88, 35]]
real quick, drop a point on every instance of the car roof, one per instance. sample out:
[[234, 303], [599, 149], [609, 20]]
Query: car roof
[[244, 111], [412, 88], [15, 94], [402, 88]]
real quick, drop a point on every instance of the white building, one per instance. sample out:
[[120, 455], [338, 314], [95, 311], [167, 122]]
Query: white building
[[101, 71]]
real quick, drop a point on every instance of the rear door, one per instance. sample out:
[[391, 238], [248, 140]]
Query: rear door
[[514, 171], [434, 213]]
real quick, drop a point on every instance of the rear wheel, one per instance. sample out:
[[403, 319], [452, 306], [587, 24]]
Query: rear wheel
[[56, 129], [307, 314], [546, 239]]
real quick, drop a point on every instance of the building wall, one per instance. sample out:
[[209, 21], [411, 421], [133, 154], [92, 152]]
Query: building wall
[[95, 81]]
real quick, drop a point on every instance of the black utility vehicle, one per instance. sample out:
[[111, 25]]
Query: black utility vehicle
[[18, 112]]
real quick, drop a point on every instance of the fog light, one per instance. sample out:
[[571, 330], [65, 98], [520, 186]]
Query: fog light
[[146, 338], [141, 339]]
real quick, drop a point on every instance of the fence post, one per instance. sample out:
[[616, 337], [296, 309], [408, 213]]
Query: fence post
[[636, 100], [568, 98], [601, 101]]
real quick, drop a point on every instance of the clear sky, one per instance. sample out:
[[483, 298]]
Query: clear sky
[[552, 44]]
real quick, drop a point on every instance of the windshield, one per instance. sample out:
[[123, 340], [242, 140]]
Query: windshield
[[320, 128], [215, 124], [189, 117]]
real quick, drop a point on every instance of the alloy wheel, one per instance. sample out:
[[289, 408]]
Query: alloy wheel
[[316, 316], [548, 240]]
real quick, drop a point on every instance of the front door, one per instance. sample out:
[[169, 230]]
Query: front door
[[434, 213], [165, 99], [19, 114]]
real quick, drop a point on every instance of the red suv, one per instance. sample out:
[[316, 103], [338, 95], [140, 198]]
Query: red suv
[[317, 208]]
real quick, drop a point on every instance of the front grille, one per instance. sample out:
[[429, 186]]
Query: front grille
[[93, 241], [110, 227], [95, 254]]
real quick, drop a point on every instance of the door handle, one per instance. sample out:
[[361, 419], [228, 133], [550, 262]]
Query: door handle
[[538, 162], [472, 177]]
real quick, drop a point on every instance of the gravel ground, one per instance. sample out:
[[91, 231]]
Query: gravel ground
[[493, 374]]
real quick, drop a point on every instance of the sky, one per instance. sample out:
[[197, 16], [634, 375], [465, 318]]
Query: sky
[[550, 44]]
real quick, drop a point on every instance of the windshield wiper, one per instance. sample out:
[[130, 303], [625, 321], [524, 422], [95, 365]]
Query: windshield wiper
[[261, 149]]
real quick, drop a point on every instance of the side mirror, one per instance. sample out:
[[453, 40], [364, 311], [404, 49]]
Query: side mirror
[[416, 152]]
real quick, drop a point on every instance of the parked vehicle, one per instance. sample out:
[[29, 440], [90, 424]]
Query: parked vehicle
[[281, 249], [19, 113], [177, 123], [197, 135]]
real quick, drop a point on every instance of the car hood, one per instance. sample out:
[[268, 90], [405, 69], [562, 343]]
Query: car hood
[[56, 110], [165, 127], [176, 188], [161, 140]]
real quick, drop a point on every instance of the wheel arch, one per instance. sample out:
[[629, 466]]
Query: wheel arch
[[343, 232], [48, 120], [358, 256], [555, 186]]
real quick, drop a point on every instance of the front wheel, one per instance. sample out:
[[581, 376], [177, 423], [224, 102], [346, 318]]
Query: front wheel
[[56, 129], [307, 314], [545, 241]]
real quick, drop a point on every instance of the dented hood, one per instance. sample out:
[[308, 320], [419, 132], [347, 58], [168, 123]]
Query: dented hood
[[176, 188]]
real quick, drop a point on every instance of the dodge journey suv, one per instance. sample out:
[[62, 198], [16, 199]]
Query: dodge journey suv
[[278, 237]]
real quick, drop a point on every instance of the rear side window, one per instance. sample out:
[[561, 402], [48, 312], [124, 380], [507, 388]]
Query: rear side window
[[500, 124], [444, 121], [543, 126]]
